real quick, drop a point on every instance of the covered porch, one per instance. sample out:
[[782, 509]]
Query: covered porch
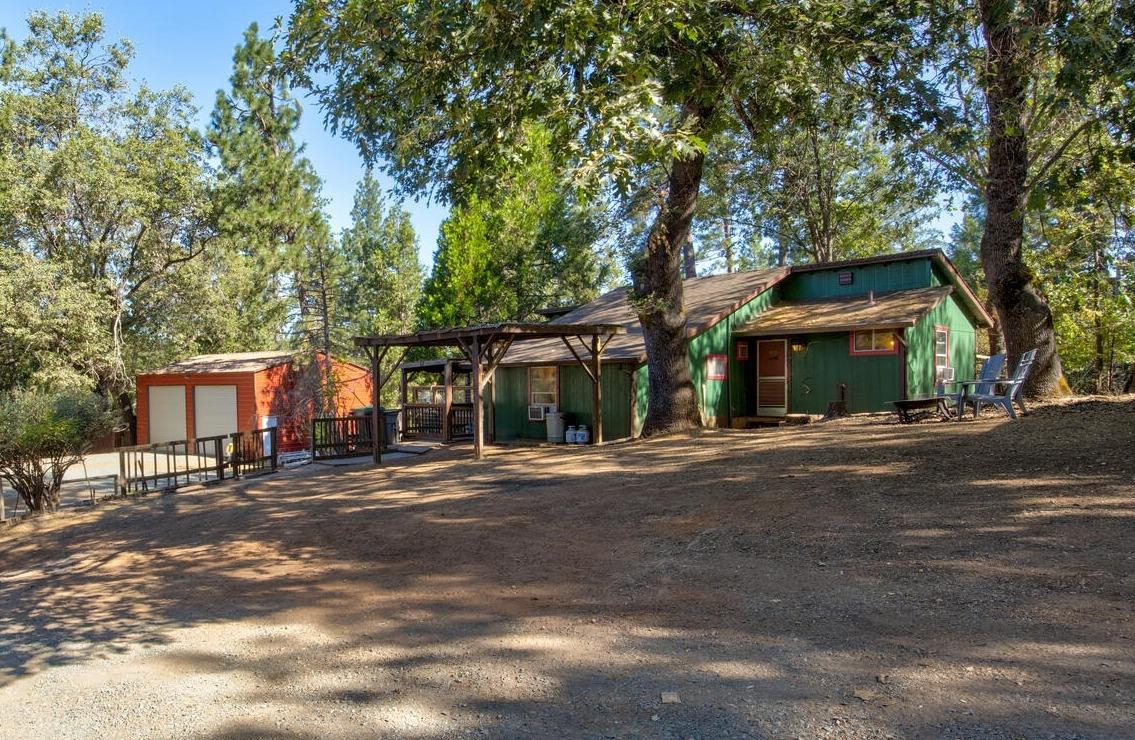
[[437, 399], [483, 347]]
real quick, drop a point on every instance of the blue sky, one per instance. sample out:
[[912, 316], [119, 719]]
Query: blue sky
[[191, 44]]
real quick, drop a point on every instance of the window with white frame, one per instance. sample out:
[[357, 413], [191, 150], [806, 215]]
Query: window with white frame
[[941, 353], [542, 386]]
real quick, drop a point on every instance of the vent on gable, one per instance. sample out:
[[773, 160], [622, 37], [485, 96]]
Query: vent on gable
[[847, 277]]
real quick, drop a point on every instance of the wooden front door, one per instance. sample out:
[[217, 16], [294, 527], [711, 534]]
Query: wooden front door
[[772, 377]]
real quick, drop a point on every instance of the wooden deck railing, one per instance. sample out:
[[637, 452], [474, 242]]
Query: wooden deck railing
[[341, 436], [254, 452], [460, 420], [166, 465], [424, 420], [421, 420]]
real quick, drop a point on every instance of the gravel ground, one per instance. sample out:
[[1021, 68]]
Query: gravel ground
[[846, 579]]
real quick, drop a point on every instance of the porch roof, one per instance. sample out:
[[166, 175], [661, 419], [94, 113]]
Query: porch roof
[[894, 310], [437, 365], [708, 300], [457, 336]]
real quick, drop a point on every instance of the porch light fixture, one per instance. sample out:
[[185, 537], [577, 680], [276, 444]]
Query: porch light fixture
[[798, 345]]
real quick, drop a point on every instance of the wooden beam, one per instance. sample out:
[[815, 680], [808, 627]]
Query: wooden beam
[[596, 391], [386, 378], [447, 401], [496, 357], [580, 360], [493, 410], [478, 409], [376, 356], [606, 341]]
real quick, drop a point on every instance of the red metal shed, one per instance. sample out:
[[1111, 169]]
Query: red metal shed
[[208, 395]]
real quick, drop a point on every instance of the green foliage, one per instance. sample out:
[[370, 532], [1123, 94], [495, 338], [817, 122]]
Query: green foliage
[[384, 280], [53, 330], [267, 198], [1083, 243], [381, 248], [444, 91], [820, 184], [528, 246], [104, 183], [43, 434]]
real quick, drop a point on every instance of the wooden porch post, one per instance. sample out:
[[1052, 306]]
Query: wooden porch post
[[446, 432], [493, 408], [375, 427], [596, 391], [478, 409]]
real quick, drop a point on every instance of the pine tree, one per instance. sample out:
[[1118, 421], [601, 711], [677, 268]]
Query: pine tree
[[267, 191], [384, 282], [382, 251], [271, 216], [529, 245]]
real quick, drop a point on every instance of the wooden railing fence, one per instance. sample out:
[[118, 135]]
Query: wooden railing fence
[[421, 420], [460, 420], [166, 465], [341, 436], [254, 452]]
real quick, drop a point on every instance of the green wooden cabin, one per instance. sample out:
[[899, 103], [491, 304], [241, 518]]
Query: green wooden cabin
[[764, 344]]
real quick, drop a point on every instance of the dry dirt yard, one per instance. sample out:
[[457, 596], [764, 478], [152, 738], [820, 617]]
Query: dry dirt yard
[[848, 579]]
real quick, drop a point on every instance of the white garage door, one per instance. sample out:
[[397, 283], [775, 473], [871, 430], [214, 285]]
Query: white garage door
[[214, 410], [167, 413]]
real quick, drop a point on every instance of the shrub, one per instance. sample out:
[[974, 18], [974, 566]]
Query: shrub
[[42, 434]]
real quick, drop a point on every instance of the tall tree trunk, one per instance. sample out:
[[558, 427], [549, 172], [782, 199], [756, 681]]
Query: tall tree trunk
[[658, 299], [1026, 320], [689, 263], [727, 242], [993, 333], [1098, 360]]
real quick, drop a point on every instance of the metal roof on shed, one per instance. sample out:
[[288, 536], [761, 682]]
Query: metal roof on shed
[[233, 362]]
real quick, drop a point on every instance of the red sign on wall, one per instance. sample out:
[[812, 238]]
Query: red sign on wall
[[742, 352]]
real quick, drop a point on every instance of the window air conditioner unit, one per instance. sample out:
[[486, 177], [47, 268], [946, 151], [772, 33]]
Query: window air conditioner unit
[[535, 413]]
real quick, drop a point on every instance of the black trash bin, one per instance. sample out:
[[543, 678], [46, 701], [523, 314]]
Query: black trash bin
[[391, 435]]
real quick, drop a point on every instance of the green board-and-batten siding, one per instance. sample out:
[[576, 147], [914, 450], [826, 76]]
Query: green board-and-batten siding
[[718, 400], [920, 381], [881, 278], [511, 408], [816, 374]]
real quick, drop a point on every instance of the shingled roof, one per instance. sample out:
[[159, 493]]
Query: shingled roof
[[708, 300], [233, 362], [894, 310]]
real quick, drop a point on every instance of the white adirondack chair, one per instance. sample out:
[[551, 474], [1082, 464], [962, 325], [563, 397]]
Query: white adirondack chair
[[1010, 390]]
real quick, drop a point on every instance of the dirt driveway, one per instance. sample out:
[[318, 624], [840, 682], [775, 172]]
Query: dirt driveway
[[850, 579]]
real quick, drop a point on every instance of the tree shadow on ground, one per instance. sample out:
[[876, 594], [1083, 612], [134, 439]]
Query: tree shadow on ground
[[849, 578]]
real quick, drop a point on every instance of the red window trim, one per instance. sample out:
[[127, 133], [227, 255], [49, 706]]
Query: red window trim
[[934, 348], [717, 376], [874, 352]]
